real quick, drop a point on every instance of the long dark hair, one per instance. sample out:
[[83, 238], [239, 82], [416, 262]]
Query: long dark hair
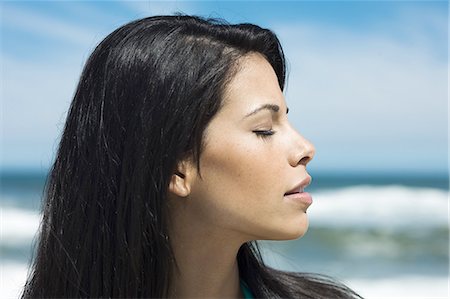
[[143, 101]]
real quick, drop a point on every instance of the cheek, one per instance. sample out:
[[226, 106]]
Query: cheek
[[241, 167], [229, 168], [240, 181]]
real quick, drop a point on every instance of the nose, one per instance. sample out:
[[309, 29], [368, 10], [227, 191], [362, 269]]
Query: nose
[[303, 151]]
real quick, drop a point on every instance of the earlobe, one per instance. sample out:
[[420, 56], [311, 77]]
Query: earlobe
[[180, 182], [178, 185]]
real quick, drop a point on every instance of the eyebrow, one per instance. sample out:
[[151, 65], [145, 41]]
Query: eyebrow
[[272, 107]]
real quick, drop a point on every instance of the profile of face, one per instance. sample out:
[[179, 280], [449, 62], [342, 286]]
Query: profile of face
[[252, 160]]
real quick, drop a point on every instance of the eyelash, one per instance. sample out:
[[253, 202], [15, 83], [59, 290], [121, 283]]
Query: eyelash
[[264, 133]]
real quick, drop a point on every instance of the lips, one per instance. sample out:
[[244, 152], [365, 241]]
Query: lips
[[298, 196], [299, 188]]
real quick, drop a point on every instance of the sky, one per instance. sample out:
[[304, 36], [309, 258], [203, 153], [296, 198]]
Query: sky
[[367, 82]]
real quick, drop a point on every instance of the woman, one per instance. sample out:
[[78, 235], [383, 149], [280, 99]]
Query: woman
[[176, 156]]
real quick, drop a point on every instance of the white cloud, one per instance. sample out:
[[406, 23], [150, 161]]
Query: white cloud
[[147, 8], [368, 96], [35, 99], [366, 99], [36, 93], [47, 26]]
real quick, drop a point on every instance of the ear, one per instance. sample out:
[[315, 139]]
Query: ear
[[181, 181]]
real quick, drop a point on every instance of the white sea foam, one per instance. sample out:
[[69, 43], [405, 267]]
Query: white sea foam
[[12, 279], [18, 226], [388, 207], [402, 287]]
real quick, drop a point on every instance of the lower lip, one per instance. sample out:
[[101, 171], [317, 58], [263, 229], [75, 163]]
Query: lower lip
[[303, 197]]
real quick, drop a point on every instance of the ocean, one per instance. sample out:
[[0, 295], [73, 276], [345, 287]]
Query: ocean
[[385, 235]]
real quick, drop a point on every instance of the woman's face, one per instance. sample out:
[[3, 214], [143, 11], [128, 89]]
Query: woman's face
[[251, 159]]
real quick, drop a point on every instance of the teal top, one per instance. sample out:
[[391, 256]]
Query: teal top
[[246, 290]]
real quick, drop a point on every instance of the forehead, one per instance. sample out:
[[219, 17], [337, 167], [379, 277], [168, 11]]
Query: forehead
[[254, 84]]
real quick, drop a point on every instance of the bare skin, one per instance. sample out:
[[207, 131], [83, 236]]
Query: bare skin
[[252, 159], [198, 256]]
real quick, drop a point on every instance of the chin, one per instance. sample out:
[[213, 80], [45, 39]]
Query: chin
[[294, 230], [295, 233], [297, 228]]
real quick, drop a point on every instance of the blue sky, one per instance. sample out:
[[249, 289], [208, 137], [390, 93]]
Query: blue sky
[[368, 80]]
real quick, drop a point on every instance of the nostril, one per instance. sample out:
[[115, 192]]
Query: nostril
[[304, 160]]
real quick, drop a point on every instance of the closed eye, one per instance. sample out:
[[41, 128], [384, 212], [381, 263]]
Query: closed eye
[[264, 133]]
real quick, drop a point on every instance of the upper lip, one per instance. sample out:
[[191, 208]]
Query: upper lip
[[300, 186]]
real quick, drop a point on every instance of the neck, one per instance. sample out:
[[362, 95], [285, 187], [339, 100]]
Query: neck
[[206, 261], [205, 275]]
